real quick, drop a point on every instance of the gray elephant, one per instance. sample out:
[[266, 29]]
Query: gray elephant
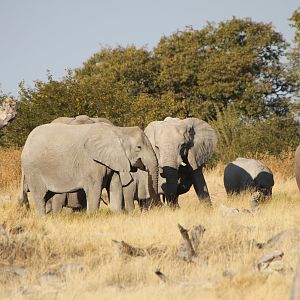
[[76, 200], [182, 148], [82, 157], [297, 166], [243, 174]]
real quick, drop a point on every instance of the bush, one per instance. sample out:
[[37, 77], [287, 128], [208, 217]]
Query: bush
[[239, 136]]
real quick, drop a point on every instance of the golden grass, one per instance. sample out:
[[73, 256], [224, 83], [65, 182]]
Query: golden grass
[[83, 243]]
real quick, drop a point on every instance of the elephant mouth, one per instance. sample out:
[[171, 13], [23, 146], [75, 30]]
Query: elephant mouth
[[138, 165]]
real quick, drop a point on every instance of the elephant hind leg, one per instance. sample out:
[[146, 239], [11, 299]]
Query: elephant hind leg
[[200, 186], [40, 193]]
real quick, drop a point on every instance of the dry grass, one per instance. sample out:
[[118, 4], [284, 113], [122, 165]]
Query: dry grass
[[72, 256]]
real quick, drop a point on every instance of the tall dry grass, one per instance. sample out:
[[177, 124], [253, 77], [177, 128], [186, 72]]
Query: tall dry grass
[[72, 256]]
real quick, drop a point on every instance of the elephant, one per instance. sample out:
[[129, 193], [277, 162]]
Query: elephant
[[82, 157], [182, 148], [297, 166], [243, 174], [77, 200]]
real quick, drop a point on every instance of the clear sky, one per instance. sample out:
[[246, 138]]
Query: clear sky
[[41, 35]]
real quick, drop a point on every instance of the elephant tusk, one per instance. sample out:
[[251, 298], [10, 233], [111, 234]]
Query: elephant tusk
[[183, 164]]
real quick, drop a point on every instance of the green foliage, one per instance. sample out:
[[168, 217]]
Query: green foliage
[[238, 61], [246, 137]]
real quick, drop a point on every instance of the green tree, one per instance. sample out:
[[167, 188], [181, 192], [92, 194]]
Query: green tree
[[130, 66], [238, 61]]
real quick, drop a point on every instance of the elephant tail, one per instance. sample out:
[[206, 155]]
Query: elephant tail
[[23, 199]]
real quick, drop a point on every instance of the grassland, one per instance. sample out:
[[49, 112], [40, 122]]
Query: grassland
[[72, 256]]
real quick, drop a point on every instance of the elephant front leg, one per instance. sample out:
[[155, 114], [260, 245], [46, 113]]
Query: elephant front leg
[[128, 193], [93, 193], [200, 186], [116, 193]]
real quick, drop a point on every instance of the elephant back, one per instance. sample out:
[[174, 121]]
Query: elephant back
[[252, 166]]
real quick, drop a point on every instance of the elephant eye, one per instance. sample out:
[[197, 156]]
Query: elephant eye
[[138, 148]]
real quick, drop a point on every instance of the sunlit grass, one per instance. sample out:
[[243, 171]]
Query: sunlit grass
[[51, 242]]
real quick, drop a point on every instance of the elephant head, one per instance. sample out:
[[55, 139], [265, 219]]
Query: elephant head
[[136, 152], [180, 143], [141, 155]]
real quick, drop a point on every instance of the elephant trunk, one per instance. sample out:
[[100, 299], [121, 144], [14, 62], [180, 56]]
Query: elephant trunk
[[169, 161], [151, 164]]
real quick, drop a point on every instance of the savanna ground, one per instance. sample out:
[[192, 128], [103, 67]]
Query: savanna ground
[[73, 257]]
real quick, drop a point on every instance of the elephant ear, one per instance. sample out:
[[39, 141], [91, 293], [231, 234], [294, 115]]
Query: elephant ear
[[150, 131], [103, 145], [204, 144]]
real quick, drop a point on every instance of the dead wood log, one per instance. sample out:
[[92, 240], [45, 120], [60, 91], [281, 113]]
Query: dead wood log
[[277, 237], [125, 248], [269, 262]]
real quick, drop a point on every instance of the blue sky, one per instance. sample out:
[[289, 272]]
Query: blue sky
[[41, 35]]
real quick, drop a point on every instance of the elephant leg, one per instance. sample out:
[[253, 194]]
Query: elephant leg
[[58, 201], [38, 194], [200, 186], [116, 193], [93, 195], [128, 193]]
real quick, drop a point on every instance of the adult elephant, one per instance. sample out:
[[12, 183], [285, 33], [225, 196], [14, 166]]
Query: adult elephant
[[297, 166], [182, 148], [243, 174], [76, 200], [82, 157]]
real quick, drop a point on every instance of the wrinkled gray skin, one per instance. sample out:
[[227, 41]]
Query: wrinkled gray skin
[[182, 147], [297, 166], [82, 157], [243, 174], [76, 200]]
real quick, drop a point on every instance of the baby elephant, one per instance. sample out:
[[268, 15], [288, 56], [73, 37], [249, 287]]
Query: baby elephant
[[243, 174]]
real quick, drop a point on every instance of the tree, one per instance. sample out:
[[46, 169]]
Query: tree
[[239, 61]]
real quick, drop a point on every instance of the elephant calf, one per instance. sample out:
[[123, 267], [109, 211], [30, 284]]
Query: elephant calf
[[243, 174]]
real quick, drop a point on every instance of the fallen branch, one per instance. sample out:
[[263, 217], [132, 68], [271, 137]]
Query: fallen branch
[[279, 236], [125, 248], [186, 250]]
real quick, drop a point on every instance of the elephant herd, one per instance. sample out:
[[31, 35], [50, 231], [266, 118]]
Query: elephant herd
[[68, 162]]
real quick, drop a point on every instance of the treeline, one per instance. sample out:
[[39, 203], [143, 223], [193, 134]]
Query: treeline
[[238, 74]]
